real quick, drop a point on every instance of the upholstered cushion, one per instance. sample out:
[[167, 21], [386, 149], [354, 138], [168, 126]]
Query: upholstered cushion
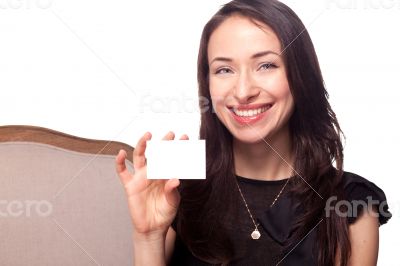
[[60, 207]]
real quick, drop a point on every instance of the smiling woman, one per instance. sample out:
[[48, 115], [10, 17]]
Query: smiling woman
[[273, 194]]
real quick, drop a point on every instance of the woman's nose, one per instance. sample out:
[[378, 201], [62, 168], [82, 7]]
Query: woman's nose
[[245, 90]]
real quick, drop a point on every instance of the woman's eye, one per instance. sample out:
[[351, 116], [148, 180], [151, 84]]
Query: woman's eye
[[223, 71], [267, 66]]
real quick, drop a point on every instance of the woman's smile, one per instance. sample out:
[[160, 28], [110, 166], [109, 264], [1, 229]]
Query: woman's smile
[[249, 114]]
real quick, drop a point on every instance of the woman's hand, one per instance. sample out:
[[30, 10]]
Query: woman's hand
[[152, 203]]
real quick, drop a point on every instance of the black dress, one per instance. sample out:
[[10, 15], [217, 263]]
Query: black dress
[[275, 224]]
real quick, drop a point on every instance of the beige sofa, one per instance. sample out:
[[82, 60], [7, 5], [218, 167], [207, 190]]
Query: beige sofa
[[61, 202]]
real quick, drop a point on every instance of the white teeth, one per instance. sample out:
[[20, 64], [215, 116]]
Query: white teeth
[[252, 112]]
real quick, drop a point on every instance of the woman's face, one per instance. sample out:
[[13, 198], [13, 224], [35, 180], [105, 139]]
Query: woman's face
[[248, 84]]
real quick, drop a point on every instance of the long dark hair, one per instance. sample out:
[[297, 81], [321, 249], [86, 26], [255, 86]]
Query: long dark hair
[[315, 134]]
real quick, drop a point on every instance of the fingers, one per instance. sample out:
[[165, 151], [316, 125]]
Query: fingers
[[139, 159], [120, 166], [184, 137], [171, 192], [169, 136]]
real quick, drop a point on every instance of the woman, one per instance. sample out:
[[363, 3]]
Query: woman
[[272, 195]]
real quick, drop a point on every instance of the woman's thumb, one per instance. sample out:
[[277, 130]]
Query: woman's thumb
[[171, 192]]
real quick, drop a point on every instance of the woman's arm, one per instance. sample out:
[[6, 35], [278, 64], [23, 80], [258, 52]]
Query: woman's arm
[[149, 249], [154, 251], [153, 205], [364, 240], [169, 244]]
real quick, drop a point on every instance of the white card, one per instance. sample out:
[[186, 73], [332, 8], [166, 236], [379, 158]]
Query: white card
[[182, 159]]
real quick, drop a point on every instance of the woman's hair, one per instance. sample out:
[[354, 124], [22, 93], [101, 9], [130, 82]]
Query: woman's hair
[[316, 138]]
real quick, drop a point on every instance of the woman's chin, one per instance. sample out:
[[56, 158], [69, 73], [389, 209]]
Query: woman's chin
[[249, 138]]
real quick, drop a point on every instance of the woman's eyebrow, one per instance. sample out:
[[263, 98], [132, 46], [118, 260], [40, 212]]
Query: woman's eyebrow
[[263, 53], [256, 55]]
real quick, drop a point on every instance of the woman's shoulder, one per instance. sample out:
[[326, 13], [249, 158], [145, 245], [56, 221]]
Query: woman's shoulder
[[361, 193]]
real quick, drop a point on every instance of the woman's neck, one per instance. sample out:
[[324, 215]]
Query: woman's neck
[[269, 159]]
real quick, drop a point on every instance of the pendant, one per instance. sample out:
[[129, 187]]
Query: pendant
[[256, 234]]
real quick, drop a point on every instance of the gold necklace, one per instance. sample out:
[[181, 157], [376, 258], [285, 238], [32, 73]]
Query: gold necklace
[[256, 233]]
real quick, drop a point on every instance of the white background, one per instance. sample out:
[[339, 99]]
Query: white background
[[116, 69]]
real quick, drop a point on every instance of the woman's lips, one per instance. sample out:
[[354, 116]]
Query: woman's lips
[[249, 114]]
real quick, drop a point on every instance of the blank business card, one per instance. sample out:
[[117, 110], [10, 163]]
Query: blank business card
[[182, 159]]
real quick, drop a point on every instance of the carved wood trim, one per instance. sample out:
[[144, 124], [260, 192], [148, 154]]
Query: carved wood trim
[[62, 140]]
